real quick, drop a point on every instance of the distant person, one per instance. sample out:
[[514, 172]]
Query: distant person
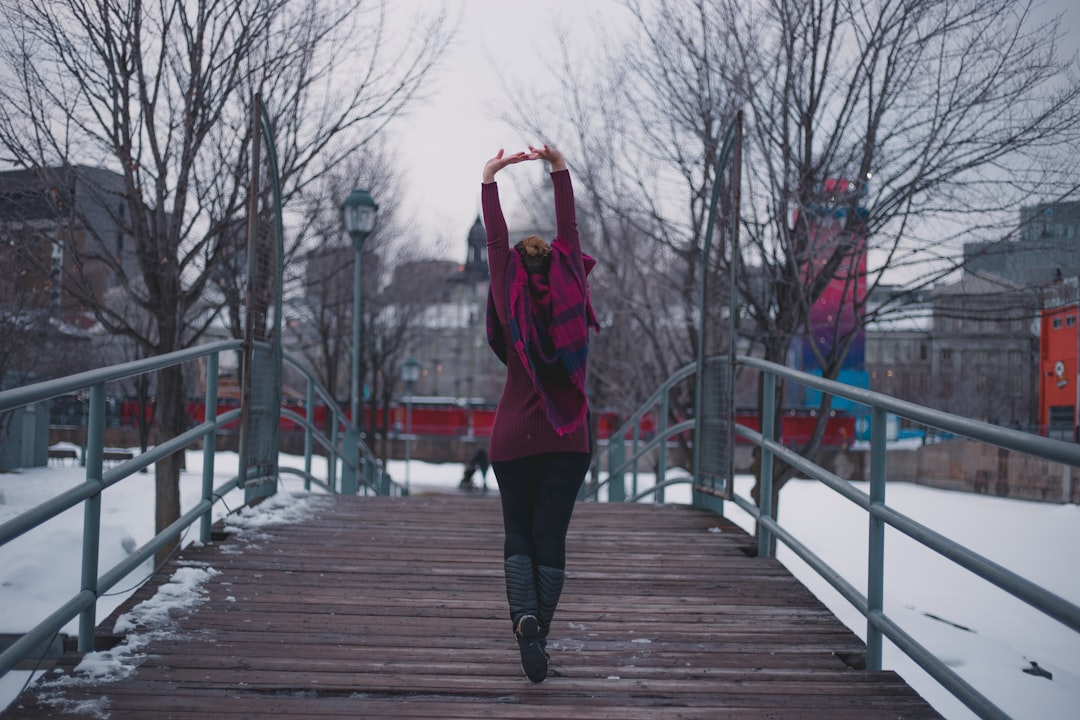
[[479, 461], [538, 322]]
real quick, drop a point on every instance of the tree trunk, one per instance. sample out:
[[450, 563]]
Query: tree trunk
[[170, 422]]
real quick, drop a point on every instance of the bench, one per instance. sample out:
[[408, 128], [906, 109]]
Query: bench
[[115, 456], [62, 454]]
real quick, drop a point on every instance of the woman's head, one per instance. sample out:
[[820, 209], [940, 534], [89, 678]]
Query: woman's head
[[535, 254]]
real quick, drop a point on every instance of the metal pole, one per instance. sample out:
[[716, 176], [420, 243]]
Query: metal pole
[[351, 468], [408, 441], [703, 260], [245, 441], [209, 446], [95, 442], [309, 403], [354, 405], [733, 308], [661, 458], [875, 580], [768, 432]]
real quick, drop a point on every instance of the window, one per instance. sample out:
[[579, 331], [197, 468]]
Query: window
[[1061, 422], [1070, 321], [1057, 323]]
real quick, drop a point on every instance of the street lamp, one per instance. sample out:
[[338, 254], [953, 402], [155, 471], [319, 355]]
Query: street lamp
[[410, 373], [358, 216]]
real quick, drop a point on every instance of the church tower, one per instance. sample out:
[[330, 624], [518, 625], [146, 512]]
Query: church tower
[[476, 269]]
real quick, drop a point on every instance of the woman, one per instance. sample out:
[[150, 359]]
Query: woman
[[538, 319]]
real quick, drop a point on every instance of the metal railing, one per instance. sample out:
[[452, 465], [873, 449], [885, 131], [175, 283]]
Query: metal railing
[[878, 624], [341, 447], [657, 409]]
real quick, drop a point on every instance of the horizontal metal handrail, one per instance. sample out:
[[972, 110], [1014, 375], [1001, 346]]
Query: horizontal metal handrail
[[870, 606], [366, 455], [308, 477], [649, 491], [1048, 448], [822, 568], [616, 440], [340, 421], [83, 602], [1013, 583], [676, 377], [26, 394], [880, 514], [121, 570], [810, 469], [68, 499], [651, 444]]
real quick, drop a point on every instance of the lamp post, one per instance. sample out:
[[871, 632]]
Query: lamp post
[[358, 216], [410, 373]]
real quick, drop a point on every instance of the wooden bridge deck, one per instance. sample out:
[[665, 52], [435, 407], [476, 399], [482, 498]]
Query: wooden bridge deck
[[395, 608]]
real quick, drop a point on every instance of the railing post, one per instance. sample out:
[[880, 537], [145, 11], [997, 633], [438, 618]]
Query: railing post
[[309, 403], [875, 579], [661, 457], [616, 456], [332, 455], [371, 478], [768, 425], [350, 470], [635, 448], [209, 446], [95, 442]]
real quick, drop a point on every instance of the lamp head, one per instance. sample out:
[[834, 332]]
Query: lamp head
[[410, 371], [358, 213]]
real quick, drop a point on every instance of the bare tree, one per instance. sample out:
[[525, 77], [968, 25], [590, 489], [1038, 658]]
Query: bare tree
[[942, 117], [160, 93], [388, 315]]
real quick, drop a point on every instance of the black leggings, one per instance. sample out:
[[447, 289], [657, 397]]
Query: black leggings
[[538, 494]]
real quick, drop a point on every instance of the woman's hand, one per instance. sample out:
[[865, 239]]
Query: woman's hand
[[498, 162], [550, 154]]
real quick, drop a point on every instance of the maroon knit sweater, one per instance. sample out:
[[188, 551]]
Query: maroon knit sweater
[[521, 428]]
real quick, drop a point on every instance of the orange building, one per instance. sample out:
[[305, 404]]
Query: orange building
[[1059, 352]]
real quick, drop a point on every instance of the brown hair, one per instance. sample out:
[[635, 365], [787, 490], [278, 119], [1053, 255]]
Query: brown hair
[[535, 254]]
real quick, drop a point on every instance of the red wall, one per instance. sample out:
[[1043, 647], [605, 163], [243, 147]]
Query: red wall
[[1058, 348]]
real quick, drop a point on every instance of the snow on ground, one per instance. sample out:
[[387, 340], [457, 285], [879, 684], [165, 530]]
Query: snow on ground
[[981, 632]]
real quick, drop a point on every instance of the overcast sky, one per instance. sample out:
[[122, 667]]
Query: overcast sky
[[444, 143]]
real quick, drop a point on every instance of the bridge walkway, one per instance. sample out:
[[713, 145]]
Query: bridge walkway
[[395, 608]]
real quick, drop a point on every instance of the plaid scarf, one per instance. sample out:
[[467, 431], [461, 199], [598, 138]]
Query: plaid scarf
[[550, 317]]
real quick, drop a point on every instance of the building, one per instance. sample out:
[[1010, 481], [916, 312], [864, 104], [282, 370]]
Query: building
[[1046, 248], [984, 350], [997, 344], [898, 347], [1059, 353], [969, 348], [452, 345], [63, 235]]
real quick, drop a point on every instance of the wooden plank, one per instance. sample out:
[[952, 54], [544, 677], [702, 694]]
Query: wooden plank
[[395, 608]]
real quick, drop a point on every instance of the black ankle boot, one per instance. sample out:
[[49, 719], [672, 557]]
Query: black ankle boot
[[549, 585], [533, 658], [521, 596]]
